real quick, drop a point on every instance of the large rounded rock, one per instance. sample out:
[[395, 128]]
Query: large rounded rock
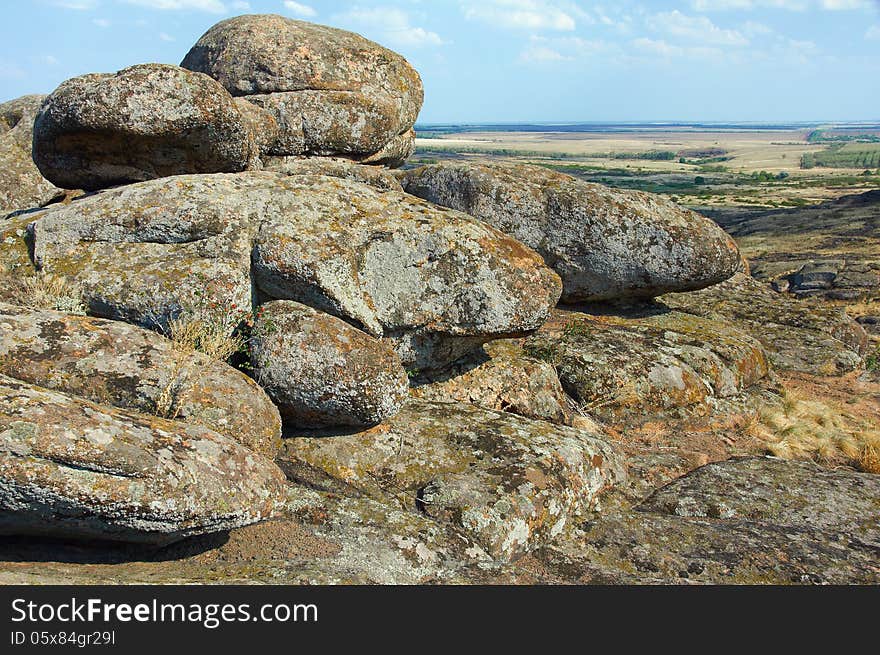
[[117, 364], [331, 91], [436, 282], [321, 371], [650, 361], [604, 243], [73, 469], [509, 483], [151, 252], [144, 122], [21, 184]]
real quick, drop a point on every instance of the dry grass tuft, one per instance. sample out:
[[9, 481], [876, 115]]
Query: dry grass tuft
[[802, 428], [213, 338], [47, 291]]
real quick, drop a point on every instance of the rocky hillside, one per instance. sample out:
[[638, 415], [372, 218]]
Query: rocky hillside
[[237, 346]]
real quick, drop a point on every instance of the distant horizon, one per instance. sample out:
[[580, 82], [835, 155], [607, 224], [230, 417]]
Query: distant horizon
[[517, 61]]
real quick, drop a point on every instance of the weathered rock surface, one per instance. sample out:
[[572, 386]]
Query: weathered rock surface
[[144, 122], [70, 468], [768, 490], [343, 168], [149, 252], [437, 283], [331, 92], [604, 243], [501, 377], [21, 184], [647, 361], [798, 336], [321, 371], [509, 483], [117, 364]]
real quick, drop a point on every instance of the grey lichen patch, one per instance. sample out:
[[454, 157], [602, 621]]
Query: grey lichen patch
[[71, 468], [509, 483], [604, 243]]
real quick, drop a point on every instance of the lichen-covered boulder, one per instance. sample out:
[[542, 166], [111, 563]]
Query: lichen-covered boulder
[[604, 243], [321, 371], [798, 336], [113, 363], [70, 468], [331, 92], [21, 184], [436, 282], [144, 122], [502, 377], [770, 490], [375, 176], [150, 252], [651, 361], [509, 483]]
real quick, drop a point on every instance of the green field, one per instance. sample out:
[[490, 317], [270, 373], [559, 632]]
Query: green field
[[849, 155]]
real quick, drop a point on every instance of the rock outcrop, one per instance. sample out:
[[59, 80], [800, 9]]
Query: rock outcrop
[[797, 336], [321, 371], [73, 469], [375, 176], [647, 361], [144, 122], [331, 92], [509, 483], [435, 282], [116, 364], [604, 243], [21, 184], [502, 377]]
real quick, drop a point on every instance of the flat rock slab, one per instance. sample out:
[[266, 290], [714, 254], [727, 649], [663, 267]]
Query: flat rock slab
[[509, 483], [72, 469], [376, 176], [647, 361], [118, 364], [768, 490], [798, 336], [144, 122], [604, 243], [502, 377], [321, 371]]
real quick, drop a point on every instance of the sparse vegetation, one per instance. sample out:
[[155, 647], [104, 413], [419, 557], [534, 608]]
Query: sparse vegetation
[[47, 291], [805, 428]]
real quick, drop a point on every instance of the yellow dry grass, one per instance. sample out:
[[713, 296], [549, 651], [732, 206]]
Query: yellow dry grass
[[803, 427], [47, 291]]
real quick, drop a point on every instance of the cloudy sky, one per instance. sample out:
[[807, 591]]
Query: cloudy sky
[[517, 60]]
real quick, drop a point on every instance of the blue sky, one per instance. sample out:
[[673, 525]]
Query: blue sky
[[517, 60]]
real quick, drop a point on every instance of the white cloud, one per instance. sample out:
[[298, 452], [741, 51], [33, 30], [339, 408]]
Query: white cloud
[[102, 22], [240, 5], [695, 29], [539, 53], [46, 60], [164, 36], [212, 6], [789, 5], [79, 5], [567, 48], [665, 50], [524, 14], [873, 33], [300, 9], [389, 25]]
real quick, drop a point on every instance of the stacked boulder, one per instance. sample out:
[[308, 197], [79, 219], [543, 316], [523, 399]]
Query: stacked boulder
[[327, 91], [241, 204]]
